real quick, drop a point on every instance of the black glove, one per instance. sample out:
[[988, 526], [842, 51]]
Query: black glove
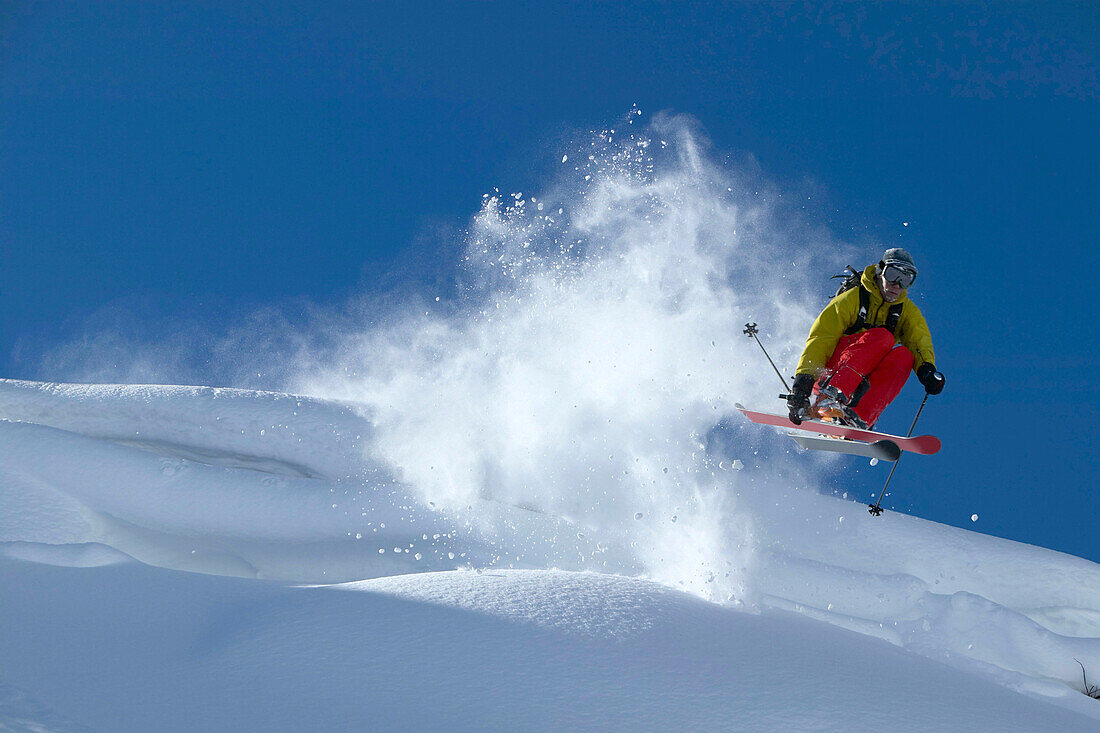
[[799, 398], [932, 380]]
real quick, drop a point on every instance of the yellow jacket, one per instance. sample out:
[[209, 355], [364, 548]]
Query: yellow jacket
[[842, 312]]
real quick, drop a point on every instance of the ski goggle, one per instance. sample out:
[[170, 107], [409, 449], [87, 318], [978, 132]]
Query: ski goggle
[[898, 276]]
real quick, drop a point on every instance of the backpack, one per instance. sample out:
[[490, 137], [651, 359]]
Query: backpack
[[851, 278]]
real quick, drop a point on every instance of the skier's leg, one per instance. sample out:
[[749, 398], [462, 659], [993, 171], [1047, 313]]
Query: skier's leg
[[885, 382], [838, 353], [857, 356]]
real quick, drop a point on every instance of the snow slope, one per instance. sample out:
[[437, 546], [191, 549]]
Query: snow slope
[[236, 483], [134, 648], [421, 613]]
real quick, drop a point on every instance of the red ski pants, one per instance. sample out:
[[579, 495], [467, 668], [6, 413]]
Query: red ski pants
[[870, 368]]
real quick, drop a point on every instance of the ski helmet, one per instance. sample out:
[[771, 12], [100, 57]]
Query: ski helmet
[[900, 258]]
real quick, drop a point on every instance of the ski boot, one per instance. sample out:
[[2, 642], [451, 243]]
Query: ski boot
[[832, 406]]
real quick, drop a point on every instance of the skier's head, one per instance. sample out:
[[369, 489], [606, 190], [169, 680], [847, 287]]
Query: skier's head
[[895, 273]]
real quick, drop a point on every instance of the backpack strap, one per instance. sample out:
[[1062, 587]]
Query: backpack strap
[[893, 316], [861, 316]]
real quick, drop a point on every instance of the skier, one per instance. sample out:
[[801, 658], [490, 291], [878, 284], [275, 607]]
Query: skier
[[861, 348]]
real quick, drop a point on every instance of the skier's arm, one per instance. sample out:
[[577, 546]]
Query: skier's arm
[[827, 330], [914, 335]]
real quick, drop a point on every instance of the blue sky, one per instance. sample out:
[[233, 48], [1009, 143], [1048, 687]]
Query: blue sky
[[171, 160]]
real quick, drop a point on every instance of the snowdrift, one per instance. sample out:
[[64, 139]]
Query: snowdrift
[[134, 648], [334, 595]]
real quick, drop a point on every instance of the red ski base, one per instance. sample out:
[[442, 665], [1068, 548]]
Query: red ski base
[[923, 444]]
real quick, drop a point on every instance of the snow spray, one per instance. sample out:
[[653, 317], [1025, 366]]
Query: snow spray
[[594, 346]]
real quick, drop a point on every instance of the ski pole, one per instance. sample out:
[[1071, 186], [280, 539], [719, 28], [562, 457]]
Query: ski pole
[[876, 509], [752, 330]]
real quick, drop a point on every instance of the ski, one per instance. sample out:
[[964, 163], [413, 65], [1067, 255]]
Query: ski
[[921, 444], [885, 450]]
